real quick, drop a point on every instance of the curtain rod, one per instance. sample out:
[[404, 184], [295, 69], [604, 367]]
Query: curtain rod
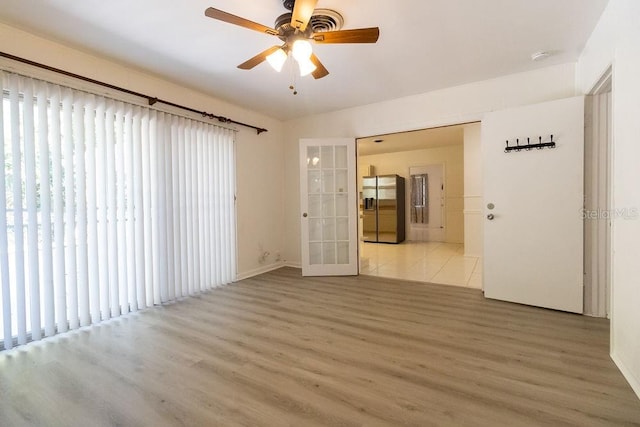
[[152, 100]]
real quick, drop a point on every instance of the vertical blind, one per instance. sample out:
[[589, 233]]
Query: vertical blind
[[106, 208]]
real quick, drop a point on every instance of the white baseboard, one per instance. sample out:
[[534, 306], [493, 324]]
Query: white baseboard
[[631, 379], [596, 316], [260, 270], [293, 264]]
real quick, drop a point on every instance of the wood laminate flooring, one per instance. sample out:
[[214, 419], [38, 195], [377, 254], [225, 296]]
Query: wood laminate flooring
[[279, 349]]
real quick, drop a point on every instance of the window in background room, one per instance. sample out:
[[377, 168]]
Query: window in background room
[[419, 199]]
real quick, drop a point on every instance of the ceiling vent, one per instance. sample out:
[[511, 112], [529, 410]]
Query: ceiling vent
[[326, 20], [322, 20]]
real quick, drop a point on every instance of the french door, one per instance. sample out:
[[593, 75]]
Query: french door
[[328, 210]]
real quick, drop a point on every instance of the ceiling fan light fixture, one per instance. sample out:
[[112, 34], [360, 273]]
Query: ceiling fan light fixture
[[306, 67], [277, 59], [296, 29], [301, 50]]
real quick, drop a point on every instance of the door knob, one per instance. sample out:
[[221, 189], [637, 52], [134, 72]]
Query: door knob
[[304, 214], [490, 217]]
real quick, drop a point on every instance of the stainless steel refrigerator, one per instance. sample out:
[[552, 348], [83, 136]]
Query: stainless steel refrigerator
[[383, 203]]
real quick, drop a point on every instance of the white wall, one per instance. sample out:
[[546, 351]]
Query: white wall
[[452, 158], [473, 209], [460, 104], [260, 160], [616, 41]]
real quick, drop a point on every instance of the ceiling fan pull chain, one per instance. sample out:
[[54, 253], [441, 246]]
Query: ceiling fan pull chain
[[292, 87]]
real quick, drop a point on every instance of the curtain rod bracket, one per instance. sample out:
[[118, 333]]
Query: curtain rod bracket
[[153, 101]]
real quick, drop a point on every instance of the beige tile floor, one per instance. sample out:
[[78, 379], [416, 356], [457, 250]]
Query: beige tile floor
[[432, 262]]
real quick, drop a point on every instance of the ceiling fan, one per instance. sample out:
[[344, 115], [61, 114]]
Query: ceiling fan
[[294, 30]]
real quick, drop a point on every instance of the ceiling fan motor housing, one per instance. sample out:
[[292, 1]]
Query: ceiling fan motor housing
[[321, 20]]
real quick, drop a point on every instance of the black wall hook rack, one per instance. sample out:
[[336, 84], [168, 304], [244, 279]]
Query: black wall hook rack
[[529, 146]]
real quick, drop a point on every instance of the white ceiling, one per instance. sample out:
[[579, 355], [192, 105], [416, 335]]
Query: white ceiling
[[409, 141], [424, 44]]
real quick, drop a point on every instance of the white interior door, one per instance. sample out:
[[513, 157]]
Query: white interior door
[[328, 207], [533, 250]]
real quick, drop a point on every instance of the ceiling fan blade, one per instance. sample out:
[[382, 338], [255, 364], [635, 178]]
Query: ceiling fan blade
[[258, 59], [302, 11], [236, 20], [320, 70], [360, 35]]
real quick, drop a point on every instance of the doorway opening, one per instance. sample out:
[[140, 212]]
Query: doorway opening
[[441, 211]]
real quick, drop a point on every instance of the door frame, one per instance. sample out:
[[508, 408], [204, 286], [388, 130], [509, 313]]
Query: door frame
[[603, 86]]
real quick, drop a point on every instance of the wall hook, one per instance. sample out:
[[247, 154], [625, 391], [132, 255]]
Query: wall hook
[[529, 146]]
